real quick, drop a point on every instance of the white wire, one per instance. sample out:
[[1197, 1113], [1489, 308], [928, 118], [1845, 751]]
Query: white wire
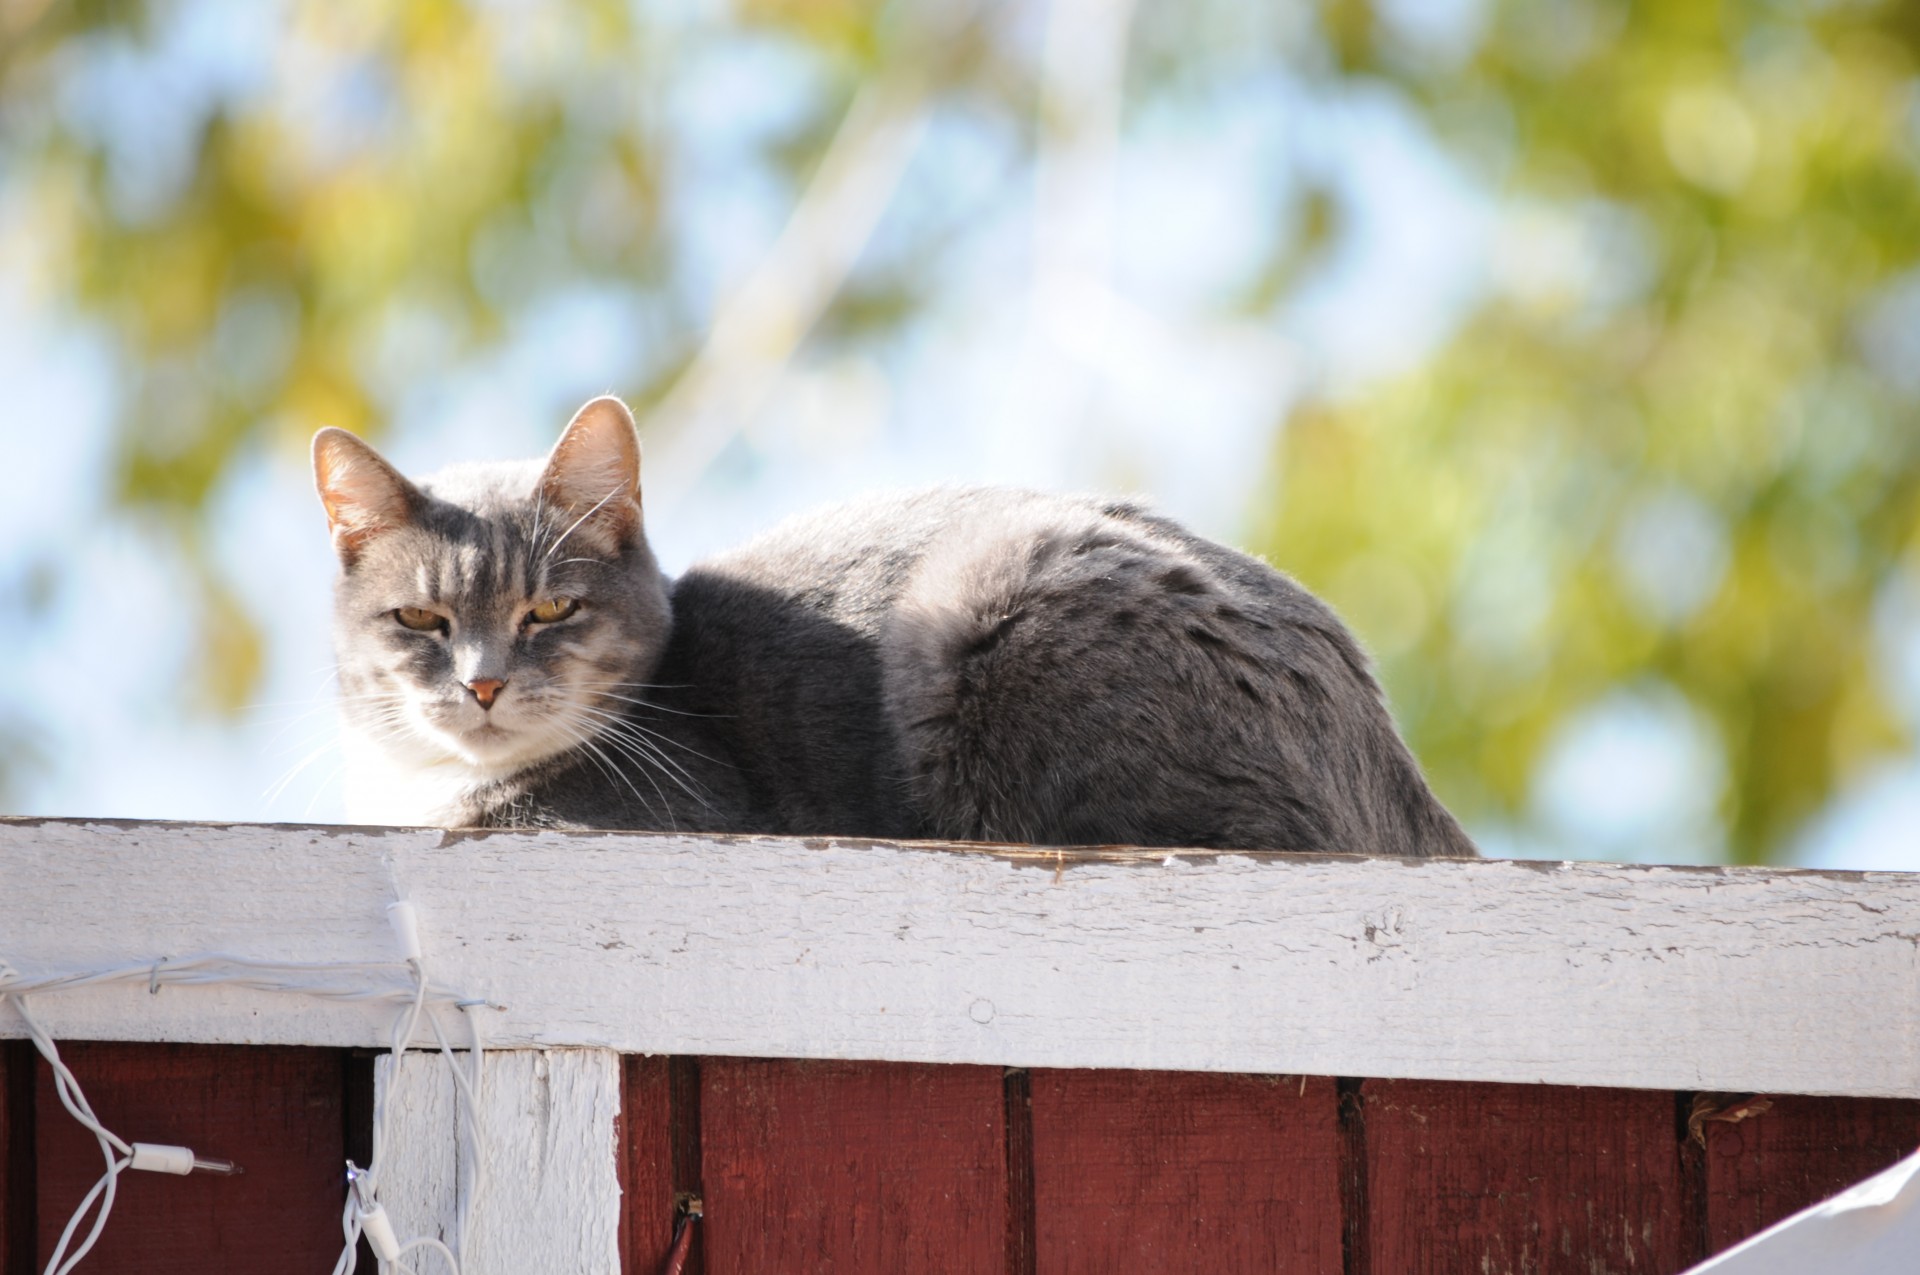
[[220, 968], [467, 1097], [75, 1101], [420, 996], [427, 1241]]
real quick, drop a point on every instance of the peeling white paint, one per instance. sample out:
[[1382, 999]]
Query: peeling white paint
[[1736, 979]]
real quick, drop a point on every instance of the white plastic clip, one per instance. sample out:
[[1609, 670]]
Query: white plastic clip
[[374, 1223], [156, 1157], [406, 928], [159, 1157]]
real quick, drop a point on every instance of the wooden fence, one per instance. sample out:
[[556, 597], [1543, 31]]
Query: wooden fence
[[904, 1058]]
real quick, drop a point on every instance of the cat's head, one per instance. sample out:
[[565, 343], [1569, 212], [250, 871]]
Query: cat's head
[[493, 616]]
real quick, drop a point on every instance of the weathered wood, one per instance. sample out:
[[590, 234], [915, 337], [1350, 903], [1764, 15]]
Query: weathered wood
[[646, 1164], [655, 943], [550, 1199], [1521, 1178], [275, 1112], [852, 1167], [1170, 1171], [1797, 1152]]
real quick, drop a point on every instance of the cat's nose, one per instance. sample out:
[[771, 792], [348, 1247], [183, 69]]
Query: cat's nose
[[484, 689]]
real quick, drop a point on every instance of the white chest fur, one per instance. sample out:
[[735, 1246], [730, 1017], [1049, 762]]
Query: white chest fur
[[383, 787]]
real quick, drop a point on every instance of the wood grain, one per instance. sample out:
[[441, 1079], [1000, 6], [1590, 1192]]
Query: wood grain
[[1169, 1171], [550, 1200], [1797, 1153], [274, 1111], [852, 1167], [645, 1157], [1526, 1179], [657, 943]]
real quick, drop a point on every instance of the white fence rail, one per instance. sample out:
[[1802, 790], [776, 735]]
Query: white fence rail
[[1738, 979]]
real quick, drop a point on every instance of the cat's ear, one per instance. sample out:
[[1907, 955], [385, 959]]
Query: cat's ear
[[593, 474], [363, 494]]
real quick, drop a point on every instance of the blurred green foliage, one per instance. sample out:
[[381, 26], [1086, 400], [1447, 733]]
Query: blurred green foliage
[[1680, 441], [1676, 441]]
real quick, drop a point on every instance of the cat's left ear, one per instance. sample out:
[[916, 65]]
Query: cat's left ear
[[593, 474]]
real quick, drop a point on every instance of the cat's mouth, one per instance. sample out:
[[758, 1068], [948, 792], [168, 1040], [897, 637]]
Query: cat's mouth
[[488, 738], [500, 747]]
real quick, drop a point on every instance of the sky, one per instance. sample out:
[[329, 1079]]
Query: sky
[[1073, 341]]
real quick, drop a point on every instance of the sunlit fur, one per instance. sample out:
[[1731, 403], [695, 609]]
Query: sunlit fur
[[484, 549], [973, 664]]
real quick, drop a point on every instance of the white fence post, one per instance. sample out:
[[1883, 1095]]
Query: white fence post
[[550, 1200]]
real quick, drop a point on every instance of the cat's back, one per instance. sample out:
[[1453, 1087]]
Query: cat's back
[[776, 645], [1061, 669]]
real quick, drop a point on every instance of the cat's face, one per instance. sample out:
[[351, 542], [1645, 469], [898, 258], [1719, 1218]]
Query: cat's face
[[493, 616]]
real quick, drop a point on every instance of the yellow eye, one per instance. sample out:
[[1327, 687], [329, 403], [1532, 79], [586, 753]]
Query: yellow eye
[[420, 618], [553, 609]]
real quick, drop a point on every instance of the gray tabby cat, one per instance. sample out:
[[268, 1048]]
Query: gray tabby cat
[[972, 664]]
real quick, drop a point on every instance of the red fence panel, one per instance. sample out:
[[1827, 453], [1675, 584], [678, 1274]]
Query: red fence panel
[[1798, 1152], [1181, 1171], [852, 1167], [278, 1112], [645, 1163], [1523, 1178], [815, 1166]]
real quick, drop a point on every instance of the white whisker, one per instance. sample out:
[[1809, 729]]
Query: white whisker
[[598, 505]]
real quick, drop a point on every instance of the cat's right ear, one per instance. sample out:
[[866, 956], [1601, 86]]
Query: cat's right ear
[[364, 495]]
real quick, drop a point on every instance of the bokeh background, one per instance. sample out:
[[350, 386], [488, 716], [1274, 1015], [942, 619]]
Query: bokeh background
[[1571, 348]]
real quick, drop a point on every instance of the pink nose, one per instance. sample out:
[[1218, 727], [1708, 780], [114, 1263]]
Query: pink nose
[[485, 688]]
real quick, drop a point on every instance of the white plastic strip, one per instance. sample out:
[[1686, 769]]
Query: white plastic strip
[[1869, 1229]]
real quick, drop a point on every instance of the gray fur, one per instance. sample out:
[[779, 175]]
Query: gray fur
[[972, 664]]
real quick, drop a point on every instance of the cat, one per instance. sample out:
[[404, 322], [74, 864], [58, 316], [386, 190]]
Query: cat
[[964, 664]]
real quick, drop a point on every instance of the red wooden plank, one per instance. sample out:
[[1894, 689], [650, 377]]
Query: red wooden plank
[[850, 1167], [645, 1164], [274, 1111], [1521, 1178], [19, 1186], [1796, 1153], [7, 1206], [1178, 1171]]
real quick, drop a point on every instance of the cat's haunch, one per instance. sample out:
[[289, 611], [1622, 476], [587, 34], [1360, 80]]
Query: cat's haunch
[[976, 663]]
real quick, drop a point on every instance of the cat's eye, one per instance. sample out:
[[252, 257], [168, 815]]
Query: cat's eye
[[553, 609], [420, 619]]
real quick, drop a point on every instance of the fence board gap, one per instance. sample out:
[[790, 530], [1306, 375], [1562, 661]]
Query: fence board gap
[[853, 1167], [1021, 1235], [1696, 1240], [683, 1074], [356, 1123], [1167, 1170], [1798, 1152], [1354, 1256]]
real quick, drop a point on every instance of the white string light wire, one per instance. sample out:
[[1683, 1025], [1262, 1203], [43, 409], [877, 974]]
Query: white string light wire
[[363, 1214]]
